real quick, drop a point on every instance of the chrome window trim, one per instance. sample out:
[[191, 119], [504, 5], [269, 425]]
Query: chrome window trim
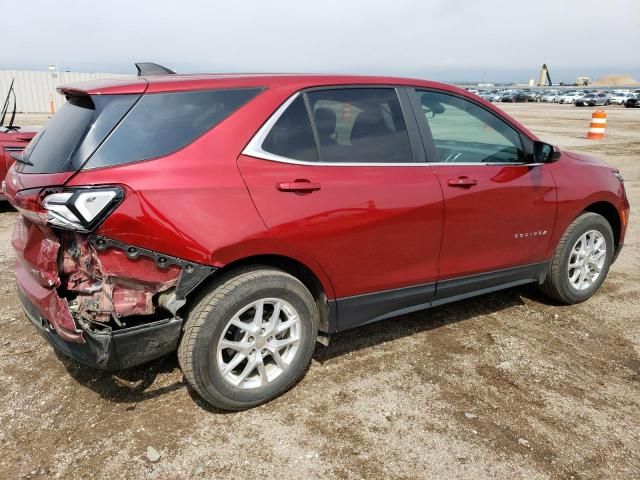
[[254, 149]]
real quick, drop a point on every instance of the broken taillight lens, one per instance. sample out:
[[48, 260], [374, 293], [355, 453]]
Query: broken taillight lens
[[81, 209]]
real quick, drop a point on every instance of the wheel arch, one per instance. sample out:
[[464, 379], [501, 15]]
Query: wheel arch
[[320, 289], [611, 215]]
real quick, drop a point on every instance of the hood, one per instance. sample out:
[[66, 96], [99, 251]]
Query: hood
[[585, 157]]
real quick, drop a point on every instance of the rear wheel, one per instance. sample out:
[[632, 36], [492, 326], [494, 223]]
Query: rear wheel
[[581, 261], [249, 339]]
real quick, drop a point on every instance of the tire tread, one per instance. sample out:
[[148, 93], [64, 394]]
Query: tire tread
[[552, 285], [204, 309]]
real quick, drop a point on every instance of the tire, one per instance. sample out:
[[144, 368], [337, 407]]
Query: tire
[[199, 355], [557, 284]]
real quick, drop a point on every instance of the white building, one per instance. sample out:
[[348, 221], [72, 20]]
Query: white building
[[34, 89]]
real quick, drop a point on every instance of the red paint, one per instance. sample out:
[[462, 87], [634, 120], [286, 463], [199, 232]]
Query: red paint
[[36, 250], [481, 220], [365, 228], [8, 140], [105, 283], [365, 234]]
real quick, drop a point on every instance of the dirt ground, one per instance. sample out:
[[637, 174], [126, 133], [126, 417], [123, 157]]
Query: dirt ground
[[506, 385]]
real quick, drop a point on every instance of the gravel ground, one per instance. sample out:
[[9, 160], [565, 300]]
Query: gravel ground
[[506, 385]]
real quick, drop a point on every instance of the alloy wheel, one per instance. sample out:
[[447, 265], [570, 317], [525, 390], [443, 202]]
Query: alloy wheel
[[587, 260], [259, 343]]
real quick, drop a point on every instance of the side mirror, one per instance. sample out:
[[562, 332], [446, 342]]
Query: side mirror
[[545, 153]]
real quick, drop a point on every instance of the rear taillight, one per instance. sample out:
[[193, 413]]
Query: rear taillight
[[81, 208]]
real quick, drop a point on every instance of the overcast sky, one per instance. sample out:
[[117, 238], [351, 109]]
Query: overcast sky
[[440, 39]]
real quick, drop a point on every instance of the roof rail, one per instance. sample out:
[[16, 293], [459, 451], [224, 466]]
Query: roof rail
[[148, 68]]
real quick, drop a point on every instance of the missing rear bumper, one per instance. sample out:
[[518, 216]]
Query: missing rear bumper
[[111, 349]]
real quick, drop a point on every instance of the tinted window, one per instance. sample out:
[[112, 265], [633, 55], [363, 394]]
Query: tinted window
[[292, 136], [464, 132], [109, 111], [74, 132], [360, 125], [162, 123]]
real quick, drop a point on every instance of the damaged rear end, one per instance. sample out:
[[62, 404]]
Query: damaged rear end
[[102, 302]]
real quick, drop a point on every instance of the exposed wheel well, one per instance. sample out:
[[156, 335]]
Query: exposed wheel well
[[610, 213], [292, 267]]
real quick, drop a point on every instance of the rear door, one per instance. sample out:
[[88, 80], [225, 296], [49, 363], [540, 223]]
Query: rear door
[[350, 188], [499, 208]]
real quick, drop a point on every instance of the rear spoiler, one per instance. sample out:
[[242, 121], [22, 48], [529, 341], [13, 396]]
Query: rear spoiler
[[105, 86]]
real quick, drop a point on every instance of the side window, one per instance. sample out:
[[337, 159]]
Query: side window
[[360, 125], [292, 135], [463, 132]]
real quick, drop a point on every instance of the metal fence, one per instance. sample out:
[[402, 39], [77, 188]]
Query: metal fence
[[35, 89]]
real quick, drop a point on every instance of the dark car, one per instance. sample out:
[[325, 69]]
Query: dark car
[[240, 219], [633, 101], [534, 95], [515, 96]]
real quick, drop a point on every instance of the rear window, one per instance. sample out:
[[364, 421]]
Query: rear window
[[162, 123], [74, 132], [360, 125]]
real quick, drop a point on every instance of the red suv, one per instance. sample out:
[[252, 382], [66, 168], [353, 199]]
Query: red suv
[[241, 218], [13, 139]]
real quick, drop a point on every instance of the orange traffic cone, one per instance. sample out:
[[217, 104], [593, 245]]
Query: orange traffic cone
[[597, 126]]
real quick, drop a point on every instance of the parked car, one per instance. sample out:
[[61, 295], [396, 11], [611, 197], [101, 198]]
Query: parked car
[[549, 96], [241, 218], [581, 94], [569, 97], [534, 95], [515, 96], [496, 95], [592, 99], [619, 98], [13, 139], [633, 101]]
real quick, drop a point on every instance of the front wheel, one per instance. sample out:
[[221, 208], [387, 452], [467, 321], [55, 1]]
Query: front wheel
[[581, 261], [249, 339]]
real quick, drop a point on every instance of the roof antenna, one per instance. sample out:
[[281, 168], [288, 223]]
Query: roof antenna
[[148, 68]]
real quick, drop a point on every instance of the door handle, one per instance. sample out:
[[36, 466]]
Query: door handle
[[463, 182], [299, 186]]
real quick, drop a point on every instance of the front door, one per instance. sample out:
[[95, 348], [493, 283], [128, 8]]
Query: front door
[[499, 209]]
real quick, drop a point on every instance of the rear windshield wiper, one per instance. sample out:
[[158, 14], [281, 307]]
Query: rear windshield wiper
[[20, 159]]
